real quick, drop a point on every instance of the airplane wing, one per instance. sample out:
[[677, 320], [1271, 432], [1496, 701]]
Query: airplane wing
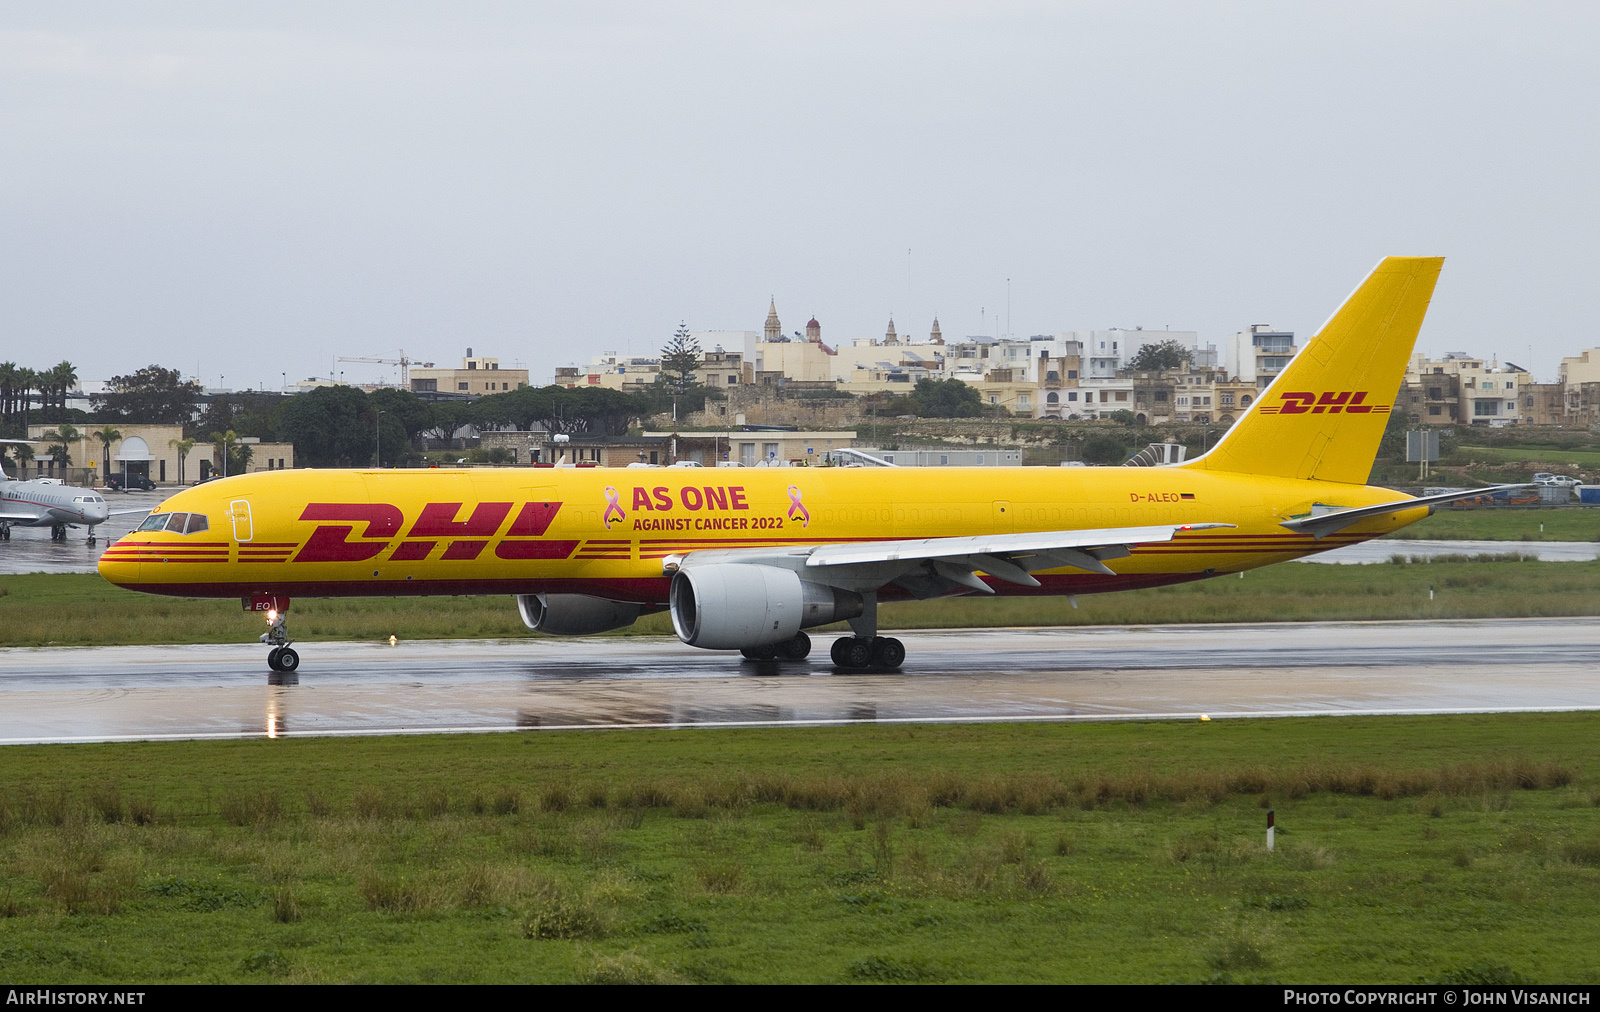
[[24, 517], [1321, 525], [932, 567], [123, 513]]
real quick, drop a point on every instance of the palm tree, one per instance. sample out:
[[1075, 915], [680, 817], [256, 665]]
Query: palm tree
[[8, 387], [25, 382], [183, 446], [62, 377], [107, 436], [61, 439]]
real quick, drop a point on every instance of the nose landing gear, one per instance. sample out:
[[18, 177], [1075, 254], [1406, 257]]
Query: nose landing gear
[[281, 657]]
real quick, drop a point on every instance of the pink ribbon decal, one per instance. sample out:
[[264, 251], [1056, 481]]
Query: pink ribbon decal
[[796, 506], [613, 507]]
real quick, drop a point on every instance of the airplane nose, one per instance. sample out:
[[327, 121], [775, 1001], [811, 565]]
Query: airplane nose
[[119, 566]]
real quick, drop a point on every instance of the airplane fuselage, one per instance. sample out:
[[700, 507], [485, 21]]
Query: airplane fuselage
[[49, 503], [615, 533]]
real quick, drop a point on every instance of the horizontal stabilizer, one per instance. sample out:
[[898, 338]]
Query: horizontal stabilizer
[[1321, 526]]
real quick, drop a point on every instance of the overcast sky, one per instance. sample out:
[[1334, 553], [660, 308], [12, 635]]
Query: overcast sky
[[247, 190]]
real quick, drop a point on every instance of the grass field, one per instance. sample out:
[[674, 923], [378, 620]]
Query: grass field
[[1569, 524], [82, 609], [1514, 454], [1443, 848]]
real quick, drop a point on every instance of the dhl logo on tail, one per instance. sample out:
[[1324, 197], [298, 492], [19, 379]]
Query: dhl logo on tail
[[1300, 403]]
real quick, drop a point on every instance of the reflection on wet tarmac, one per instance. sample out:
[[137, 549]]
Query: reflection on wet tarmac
[[1084, 673]]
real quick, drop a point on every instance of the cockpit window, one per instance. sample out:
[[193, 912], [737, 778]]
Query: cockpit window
[[176, 523], [154, 522]]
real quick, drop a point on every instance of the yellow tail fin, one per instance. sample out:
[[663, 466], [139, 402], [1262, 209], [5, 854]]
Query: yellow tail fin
[[1325, 413]]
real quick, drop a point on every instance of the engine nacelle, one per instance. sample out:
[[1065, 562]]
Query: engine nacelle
[[729, 606], [575, 614]]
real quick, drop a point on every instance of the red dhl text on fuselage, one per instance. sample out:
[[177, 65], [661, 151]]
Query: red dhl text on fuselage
[[525, 530]]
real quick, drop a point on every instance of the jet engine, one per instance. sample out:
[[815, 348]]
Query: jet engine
[[575, 614], [730, 606]]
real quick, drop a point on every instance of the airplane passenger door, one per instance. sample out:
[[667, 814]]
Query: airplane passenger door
[[243, 526]]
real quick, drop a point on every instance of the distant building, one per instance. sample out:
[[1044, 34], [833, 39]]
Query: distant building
[[477, 376], [148, 451], [612, 371], [1258, 354], [752, 447], [1460, 389], [1580, 369], [938, 457]]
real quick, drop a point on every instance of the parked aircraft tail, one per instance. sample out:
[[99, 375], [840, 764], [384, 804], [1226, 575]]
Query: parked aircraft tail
[[1325, 413]]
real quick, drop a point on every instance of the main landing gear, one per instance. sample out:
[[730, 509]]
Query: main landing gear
[[58, 532], [5, 532], [868, 653]]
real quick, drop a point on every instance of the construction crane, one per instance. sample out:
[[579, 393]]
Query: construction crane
[[403, 362]]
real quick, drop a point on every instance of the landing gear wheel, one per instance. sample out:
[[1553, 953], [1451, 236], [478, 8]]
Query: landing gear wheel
[[888, 653], [761, 653], [852, 652], [272, 658], [797, 649], [288, 660]]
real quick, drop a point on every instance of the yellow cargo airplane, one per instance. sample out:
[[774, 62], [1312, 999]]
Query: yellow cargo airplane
[[746, 560]]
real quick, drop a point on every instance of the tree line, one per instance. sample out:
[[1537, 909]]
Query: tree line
[[329, 426]]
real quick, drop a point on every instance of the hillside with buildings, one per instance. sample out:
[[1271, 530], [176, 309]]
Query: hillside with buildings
[[773, 378]]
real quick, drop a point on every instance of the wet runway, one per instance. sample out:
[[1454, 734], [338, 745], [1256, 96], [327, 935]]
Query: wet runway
[[1383, 549], [30, 549], [1085, 673]]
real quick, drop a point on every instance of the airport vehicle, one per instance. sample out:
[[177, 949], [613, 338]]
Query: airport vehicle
[[1566, 481], [117, 483], [748, 560], [48, 502]]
